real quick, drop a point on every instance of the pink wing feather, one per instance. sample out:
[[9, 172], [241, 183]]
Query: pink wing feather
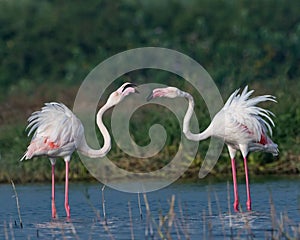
[[57, 130]]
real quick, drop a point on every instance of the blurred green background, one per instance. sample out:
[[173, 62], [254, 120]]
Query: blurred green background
[[48, 47]]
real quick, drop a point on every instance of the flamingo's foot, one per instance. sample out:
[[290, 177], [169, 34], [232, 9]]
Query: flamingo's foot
[[236, 206], [67, 207], [53, 210], [248, 205]]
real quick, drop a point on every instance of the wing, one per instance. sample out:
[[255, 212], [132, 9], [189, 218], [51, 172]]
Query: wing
[[244, 117], [56, 130]]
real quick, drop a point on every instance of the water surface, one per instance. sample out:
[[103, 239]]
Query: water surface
[[201, 210]]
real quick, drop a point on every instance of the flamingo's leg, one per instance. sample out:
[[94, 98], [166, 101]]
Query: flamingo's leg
[[67, 207], [53, 188], [236, 197], [247, 185]]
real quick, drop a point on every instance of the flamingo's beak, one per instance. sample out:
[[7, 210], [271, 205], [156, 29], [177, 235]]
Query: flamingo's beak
[[127, 89], [135, 87], [150, 97]]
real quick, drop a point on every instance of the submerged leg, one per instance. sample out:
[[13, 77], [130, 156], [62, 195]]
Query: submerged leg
[[67, 207], [103, 205], [53, 188], [236, 197], [247, 185], [232, 153]]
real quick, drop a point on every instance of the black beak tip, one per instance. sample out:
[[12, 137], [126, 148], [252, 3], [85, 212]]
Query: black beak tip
[[150, 97], [135, 87]]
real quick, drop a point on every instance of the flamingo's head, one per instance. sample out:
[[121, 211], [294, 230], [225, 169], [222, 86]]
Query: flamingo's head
[[169, 92], [123, 91]]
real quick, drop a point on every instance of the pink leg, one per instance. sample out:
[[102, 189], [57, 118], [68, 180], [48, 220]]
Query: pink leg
[[236, 197], [247, 185], [67, 207], [53, 191]]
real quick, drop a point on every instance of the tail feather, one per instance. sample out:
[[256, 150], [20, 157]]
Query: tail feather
[[243, 102], [36, 147], [24, 157], [265, 145], [269, 148], [28, 154]]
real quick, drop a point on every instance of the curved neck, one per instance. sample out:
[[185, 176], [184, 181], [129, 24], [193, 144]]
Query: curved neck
[[96, 153], [187, 118]]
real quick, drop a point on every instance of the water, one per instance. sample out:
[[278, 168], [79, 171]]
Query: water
[[201, 211]]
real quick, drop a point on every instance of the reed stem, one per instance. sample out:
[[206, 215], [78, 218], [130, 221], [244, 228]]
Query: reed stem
[[17, 201]]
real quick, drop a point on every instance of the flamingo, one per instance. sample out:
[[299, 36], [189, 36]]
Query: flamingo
[[58, 133], [240, 123]]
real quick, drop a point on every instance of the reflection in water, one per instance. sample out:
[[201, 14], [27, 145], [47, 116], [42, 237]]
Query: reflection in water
[[56, 228], [241, 224], [198, 211]]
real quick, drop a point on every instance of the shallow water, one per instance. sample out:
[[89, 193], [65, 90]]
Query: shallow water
[[201, 211]]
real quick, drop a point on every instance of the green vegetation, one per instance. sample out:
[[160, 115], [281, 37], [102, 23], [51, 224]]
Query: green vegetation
[[48, 47]]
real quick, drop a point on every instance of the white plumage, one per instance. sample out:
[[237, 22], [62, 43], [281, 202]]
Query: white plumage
[[245, 123], [57, 132], [240, 123]]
